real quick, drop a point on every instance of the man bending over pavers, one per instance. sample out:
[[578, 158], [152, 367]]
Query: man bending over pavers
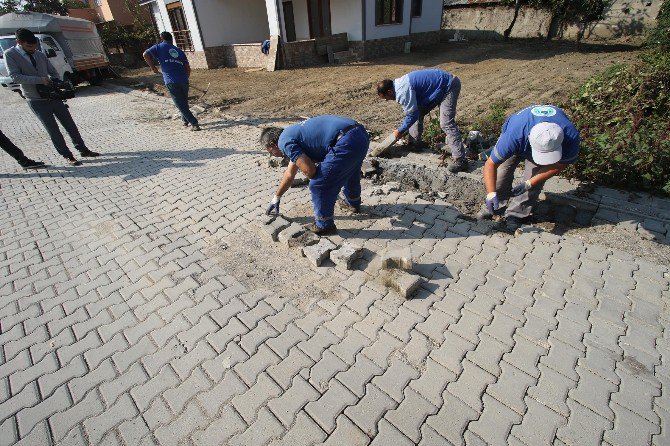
[[419, 92], [329, 150], [543, 136]]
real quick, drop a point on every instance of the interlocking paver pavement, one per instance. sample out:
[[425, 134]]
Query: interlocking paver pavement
[[119, 324]]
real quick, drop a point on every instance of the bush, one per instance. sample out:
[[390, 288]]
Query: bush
[[659, 38], [623, 116]]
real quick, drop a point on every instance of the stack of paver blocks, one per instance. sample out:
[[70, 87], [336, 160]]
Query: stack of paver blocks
[[396, 263], [315, 248]]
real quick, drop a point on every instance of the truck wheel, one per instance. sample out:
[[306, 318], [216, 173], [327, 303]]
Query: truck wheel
[[67, 78], [96, 79]]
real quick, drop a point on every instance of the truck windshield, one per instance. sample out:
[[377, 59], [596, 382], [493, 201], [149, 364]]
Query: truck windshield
[[6, 43]]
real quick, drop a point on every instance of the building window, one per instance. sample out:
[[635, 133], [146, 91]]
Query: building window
[[180, 31], [416, 8], [388, 12]]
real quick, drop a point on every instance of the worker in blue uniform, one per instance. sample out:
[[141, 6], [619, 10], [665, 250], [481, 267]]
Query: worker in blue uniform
[[544, 137], [420, 91], [329, 150]]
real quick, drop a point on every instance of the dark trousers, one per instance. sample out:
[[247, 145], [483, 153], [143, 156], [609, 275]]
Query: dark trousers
[[47, 111], [179, 93], [341, 169], [11, 149]]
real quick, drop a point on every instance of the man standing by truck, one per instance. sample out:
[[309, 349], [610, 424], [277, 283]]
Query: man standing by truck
[[29, 68], [176, 71]]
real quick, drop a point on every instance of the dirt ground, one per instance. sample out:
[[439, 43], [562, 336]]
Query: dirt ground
[[527, 72]]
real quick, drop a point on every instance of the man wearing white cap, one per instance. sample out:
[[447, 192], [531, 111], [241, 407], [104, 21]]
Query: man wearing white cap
[[544, 137]]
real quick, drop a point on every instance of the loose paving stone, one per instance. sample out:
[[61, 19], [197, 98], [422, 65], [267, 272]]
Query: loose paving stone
[[345, 255], [398, 258], [403, 282], [316, 254], [270, 231]]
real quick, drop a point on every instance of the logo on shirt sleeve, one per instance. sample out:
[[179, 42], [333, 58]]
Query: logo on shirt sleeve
[[543, 110], [173, 52]]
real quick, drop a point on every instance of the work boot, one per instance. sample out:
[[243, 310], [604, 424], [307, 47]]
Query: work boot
[[31, 164], [458, 165], [312, 227], [348, 207], [89, 153], [513, 223]]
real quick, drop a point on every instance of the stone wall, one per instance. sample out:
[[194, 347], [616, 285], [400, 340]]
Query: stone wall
[[197, 59], [623, 19], [300, 54], [392, 45], [243, 55]]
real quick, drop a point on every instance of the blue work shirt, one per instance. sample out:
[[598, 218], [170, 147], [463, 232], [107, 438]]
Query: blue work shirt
[[515, 131], [420, 91], [312, 137], [172, 61]]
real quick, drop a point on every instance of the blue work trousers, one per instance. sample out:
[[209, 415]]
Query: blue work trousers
[[341, 168], [179, 93]]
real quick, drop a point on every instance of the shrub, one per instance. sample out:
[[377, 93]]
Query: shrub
[[623, 116]]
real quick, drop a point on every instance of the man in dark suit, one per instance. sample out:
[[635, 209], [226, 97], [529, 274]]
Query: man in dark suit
[[29, 68]]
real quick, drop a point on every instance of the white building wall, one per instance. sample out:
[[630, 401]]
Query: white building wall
[[346, 16], [385, 31], [224, 22], [431, 17], [159, 11]]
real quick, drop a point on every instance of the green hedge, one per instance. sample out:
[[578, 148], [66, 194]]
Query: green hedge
[[623, 116]]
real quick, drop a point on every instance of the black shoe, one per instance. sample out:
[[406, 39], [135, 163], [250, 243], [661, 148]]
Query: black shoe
[[73, 161], [195, 128], [30, 164], [513, 223], [185, 124], [458, 165], [89, 153], [346, 206], [312, 227]]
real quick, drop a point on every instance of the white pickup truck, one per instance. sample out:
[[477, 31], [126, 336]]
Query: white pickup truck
[[72, 45]]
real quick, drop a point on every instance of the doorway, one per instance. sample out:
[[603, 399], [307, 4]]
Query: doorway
[[319, 18], [289, 22]]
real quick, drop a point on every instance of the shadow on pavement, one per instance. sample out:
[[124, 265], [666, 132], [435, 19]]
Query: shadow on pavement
[[130, 165]]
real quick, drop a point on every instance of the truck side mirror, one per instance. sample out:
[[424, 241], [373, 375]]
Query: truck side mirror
[[51, 52]]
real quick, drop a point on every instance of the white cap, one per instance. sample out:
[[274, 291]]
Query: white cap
[[546, 141]]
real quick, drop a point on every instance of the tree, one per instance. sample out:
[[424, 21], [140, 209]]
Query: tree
[[45, 6], [7, 6]]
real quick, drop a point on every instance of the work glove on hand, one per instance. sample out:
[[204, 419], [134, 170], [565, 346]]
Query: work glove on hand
[[492, 203], [273, 206], [521, 188]]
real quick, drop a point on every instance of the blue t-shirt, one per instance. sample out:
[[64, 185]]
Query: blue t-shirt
[[312, 137], [420, 91], [172, 61], [515, 131]]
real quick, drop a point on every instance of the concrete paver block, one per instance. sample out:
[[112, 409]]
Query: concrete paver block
[[400, 258], [270, 229], [403, 282], [345, 255], [293, 231], [319, 252]]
